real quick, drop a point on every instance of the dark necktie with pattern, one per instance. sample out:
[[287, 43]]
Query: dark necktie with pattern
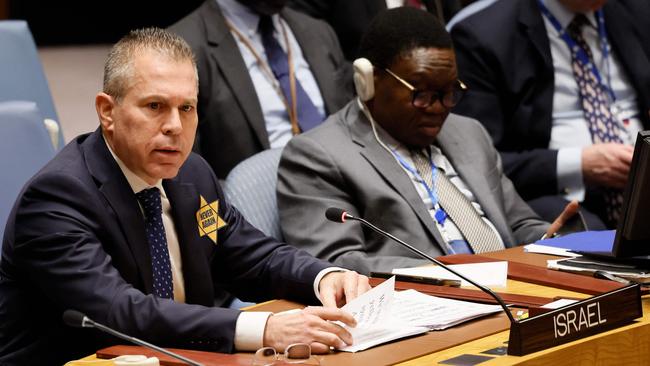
[[596, 108], [163, 285], [477, 232], [308, 115]]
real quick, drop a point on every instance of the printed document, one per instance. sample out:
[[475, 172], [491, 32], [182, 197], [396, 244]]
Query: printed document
[[384, 315]]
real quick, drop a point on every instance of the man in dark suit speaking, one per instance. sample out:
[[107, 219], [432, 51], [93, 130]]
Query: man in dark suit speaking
[[129, 227], [397, 157]]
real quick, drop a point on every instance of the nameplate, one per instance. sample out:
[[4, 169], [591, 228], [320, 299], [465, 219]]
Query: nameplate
[[578, 320]]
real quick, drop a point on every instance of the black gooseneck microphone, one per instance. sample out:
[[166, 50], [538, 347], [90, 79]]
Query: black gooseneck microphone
[[339, 215], [74, 318]]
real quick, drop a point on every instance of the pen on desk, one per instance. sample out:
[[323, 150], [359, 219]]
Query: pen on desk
[[570, 210], [417, 279], [611, 277]]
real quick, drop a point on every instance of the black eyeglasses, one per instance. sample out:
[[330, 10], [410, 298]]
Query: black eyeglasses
[[425, 98]]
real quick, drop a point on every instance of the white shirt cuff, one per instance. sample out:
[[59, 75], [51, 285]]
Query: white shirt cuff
[[249, 330], [322, 274], [569, 173]]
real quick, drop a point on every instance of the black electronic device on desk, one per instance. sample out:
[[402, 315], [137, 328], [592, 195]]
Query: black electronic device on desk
[[625, 252], [632, 240]]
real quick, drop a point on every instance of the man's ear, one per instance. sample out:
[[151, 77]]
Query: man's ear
[[105, 106]]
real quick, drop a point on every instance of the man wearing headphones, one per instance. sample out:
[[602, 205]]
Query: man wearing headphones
[[386, 157]]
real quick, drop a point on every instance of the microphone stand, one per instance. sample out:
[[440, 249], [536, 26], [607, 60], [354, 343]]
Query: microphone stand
[[72, 317]]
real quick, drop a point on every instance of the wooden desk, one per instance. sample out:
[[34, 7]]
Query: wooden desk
[[629, 345]]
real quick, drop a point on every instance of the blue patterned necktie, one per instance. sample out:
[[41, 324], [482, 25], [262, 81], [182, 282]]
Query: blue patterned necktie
[[308, 115], [596, 108], [163, 285]]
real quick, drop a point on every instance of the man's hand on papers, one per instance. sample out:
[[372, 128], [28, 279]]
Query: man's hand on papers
[[313, 325], [338, 288]]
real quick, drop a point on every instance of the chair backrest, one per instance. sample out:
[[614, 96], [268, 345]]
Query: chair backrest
[[25, 147], [467, 11], [21, 72], [250, 187]]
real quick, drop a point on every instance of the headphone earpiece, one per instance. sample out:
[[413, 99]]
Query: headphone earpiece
[[364, 81]]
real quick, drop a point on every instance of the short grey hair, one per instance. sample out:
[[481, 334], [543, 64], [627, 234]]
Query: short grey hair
[[118, 70]]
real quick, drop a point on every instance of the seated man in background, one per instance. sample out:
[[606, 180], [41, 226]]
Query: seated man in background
[[386, 157], [266, 73], [126, 225], [562, 86]]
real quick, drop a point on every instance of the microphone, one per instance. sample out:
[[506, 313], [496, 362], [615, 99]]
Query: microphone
[[340, 216], [76, 319]]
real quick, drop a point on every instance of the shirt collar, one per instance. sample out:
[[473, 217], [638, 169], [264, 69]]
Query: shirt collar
[[242, 17], [137, 184], [386, 138], [564, 16]]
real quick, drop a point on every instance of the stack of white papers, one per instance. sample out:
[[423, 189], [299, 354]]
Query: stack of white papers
[[417, 309], [545, 249], [384, 315], [375, 323]]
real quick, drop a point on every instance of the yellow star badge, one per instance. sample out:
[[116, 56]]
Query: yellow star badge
[[208, 219]]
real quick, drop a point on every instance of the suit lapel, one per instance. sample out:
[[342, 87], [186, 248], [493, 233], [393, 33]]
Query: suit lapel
[[626, 46], [318, 58], [224, 51], [385, 164], [119, 195], [195, 250], [456, 149], [531, 20]]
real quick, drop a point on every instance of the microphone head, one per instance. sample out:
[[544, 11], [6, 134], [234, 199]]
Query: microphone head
[[335, 214], [74, 318]]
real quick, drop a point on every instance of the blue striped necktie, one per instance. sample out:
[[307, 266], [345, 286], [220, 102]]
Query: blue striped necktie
[[163, 285]]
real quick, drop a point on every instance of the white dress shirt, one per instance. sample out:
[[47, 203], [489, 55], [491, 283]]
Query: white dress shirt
[[397, 3], [570, 131], [275, 113], [250, 326]]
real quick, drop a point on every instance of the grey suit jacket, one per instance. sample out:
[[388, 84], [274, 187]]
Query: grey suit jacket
[[231, 123], [341, 164]]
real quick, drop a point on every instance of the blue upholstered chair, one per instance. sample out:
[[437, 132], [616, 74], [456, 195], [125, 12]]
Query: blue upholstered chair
[[250, 187], [21, 73], [25, 147]]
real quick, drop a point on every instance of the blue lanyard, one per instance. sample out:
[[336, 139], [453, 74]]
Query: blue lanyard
[[581, 53], [439, 214]]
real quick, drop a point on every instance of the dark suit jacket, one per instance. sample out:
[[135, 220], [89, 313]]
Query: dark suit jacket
[[231, 123], [341, 164], [509, 71], [350, 19], [76, 240]]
